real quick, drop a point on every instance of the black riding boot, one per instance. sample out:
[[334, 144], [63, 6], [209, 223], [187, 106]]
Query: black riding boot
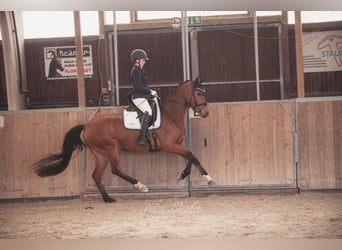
[[144, 129]]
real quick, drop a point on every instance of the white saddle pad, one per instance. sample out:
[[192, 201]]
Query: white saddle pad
[[131, 120]]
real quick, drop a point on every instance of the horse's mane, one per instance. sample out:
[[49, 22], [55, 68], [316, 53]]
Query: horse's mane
[[175, 89], [183, 83]]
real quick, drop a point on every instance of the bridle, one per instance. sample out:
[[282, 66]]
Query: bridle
[[197, 107]]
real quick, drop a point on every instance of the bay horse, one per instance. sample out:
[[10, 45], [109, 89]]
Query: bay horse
[[105, 136]]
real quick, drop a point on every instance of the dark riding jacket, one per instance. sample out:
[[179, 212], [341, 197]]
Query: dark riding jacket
[[140, 83]]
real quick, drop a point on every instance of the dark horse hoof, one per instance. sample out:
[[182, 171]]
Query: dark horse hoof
[[109, 200]]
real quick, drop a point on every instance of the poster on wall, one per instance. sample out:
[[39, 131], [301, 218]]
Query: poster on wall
[[60, 62], [322, 51]]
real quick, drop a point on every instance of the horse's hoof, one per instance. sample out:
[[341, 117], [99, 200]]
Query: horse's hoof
[[109, 200], [210, 180], [141, 187], [211, 183], [179, 177]]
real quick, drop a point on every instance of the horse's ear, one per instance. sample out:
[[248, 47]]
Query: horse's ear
[[197, 81]]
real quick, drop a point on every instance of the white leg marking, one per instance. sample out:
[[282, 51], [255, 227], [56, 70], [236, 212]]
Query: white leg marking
[[209, 179], [141, 187]]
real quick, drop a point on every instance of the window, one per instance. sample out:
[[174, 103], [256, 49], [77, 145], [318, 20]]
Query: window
[[121, 17], [44, 24], [316, 16], [148, 15]]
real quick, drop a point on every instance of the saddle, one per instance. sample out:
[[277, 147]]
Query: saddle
[[132, 115]]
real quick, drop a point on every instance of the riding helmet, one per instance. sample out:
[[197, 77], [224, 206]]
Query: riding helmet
[[138, 54]]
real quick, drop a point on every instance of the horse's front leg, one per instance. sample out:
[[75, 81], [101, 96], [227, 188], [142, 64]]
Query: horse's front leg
[[181, 150], [196, 162]]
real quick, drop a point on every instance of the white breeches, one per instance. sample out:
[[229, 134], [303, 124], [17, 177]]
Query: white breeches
[[143, 105]]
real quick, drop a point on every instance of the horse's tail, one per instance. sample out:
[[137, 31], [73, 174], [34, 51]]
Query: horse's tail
[[56, 163]]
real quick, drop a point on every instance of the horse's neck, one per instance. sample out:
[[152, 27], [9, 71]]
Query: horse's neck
[[175, 108]]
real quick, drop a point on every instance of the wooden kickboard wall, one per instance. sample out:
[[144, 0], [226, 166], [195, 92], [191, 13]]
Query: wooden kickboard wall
[[246, 145]]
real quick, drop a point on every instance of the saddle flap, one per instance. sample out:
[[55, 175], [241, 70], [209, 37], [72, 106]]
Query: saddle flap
[[132, 114]]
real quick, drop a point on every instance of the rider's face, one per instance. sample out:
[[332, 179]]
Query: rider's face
[[142, 62]]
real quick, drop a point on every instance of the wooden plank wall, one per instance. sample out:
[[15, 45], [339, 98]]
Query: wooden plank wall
[[25, 137], [245, 145], [319, 126], [242, 145]]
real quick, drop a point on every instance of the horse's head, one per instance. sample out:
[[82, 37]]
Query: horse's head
[[55, 64], [198, 101], [59, 63]]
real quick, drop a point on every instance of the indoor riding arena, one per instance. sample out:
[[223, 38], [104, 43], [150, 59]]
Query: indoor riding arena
[[266, 160]]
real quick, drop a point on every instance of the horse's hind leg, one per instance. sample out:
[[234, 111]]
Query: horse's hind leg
[[186, 171], [117, 170], [101, 164]]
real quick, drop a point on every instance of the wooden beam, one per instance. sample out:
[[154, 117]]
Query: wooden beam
[[101, 24], [133, 16], [285, 17], [102, 62], [286, 55], [15, 99], [79, 60], [194, 54], [299, 55]]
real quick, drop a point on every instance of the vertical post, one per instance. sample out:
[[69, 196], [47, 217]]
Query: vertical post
[[256, 51], [299, 55], [286, 74], [101, 24], [281, 62], [111, 87], [284, 17], [81, 86], [102, 52], [116, 61], [15, 100], [133, 15], [194, 54], [79, 60], [186, 75], [185, 47]]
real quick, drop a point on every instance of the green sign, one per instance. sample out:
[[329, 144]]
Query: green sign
[[195, 20]]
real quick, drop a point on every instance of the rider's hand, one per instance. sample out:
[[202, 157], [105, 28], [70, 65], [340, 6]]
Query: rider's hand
[[153, 92]]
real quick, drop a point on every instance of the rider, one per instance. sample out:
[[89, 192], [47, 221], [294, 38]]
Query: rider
[[141, 91]]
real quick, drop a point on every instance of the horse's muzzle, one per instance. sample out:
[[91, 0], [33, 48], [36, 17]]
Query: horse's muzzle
[[204, 113]]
